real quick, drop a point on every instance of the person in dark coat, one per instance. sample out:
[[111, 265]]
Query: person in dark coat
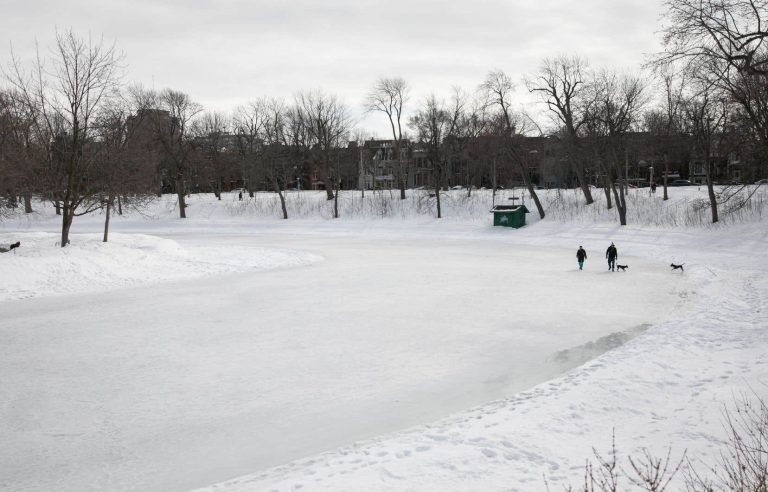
[[612, 256], [581, 255]]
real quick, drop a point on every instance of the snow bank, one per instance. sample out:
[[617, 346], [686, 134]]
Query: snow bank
[[40, 268], [687, 208]]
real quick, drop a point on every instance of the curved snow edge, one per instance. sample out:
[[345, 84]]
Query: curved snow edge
[[39, 268]]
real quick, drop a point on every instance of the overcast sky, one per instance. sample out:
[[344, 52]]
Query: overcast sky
[[226, 52]]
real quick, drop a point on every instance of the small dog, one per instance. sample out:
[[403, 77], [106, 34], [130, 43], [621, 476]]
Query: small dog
[[623, 268], [675, 267], [10, 247]]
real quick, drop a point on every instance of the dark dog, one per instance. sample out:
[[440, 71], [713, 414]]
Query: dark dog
[[623, 268], [675, 267], [11, 247]]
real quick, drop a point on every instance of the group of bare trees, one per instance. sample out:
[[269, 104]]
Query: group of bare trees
[[706, 97], [65, 132], [718, 49], [72, 133]]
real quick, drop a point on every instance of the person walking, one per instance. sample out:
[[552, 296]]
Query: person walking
[[612, 255], [581, 255]]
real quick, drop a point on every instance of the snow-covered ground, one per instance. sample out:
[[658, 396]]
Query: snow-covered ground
[[378, 352]]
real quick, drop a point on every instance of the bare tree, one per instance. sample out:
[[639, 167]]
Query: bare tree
[[66, 98], [561, 84], [707, 113], [730, 33], [172, 127], [209, 131], [123, 174], [21, 152], [616, 106], [388, 96], [664, 121], [497, 88], [726, 43], [473, 126], [364, 166], [327, 124], [468, 121], [432, 122], [277, 151], [248, 125]]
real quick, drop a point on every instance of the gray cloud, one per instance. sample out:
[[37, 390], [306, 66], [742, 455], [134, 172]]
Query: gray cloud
[[227, 51]]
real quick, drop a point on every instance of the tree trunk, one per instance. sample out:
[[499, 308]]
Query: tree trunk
[[581, 176], [279, 190], [437, 195], [324, 177], [57, 205], [621, 205], [402, 178], [607, 185], [532, 192], [469, 182], [119, 206], [66, 225], [493, 182], [711, 192], [28, 203], [336, 200], [182, 201], [106, 219], [666, 172]]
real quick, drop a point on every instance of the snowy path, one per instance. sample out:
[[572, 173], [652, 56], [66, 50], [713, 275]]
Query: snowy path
[[181, 384]]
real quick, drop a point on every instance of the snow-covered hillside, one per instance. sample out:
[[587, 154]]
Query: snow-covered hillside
[[420, 354]]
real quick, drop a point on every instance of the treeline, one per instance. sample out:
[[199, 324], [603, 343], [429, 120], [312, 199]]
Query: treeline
[[72, 133]]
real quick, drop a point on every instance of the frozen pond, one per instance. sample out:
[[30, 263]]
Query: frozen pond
[[179, 384]]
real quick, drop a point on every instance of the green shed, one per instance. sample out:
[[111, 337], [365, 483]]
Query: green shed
[[509, 215]]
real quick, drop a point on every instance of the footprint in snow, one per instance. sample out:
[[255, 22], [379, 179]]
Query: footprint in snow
[[489, 453]]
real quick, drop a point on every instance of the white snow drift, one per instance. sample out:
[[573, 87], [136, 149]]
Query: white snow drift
[[39, 268]]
